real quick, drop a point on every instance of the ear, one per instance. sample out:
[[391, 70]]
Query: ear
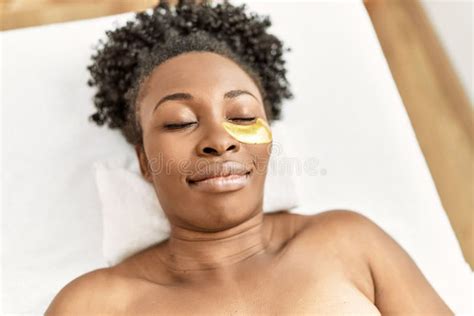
[[143, 161]]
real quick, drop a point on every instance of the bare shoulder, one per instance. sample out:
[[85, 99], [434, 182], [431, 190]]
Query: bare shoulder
[[351, 226], [338, 223], [334, 223], [399, 284], [340, 216], [88, 293], [336, 236]]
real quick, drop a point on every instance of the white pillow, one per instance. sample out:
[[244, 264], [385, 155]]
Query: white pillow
[[133, 218]]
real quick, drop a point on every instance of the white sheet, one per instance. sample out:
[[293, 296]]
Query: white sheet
[[347, 116]]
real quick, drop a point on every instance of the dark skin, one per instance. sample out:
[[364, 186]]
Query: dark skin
[[225, 256]]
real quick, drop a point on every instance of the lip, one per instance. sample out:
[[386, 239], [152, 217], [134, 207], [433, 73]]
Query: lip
[[221, 177], [218, 169], [222, 184]]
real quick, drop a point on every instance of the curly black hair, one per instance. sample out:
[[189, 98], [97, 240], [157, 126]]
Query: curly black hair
[[123, 63]]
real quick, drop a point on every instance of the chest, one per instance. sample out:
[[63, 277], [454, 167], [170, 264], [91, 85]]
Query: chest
[[292, 291], [310, 274]]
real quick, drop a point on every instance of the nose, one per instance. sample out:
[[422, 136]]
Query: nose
[[217, 142]]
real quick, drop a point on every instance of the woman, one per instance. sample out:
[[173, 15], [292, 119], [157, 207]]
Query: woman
[[193, 88]]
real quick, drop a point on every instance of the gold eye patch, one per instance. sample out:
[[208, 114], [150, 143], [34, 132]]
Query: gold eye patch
[[256, 133]]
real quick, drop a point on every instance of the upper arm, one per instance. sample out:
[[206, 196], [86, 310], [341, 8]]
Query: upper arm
[[400, 286], [78, 296]]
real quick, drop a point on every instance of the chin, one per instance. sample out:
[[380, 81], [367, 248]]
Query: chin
[[223, 213]]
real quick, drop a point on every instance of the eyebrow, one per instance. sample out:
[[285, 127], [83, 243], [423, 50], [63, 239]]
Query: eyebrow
[[186, 96]]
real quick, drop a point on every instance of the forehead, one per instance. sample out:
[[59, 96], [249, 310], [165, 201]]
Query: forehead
[[203, 71]]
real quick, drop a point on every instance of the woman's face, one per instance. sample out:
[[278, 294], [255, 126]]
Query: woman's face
[[183, 105]]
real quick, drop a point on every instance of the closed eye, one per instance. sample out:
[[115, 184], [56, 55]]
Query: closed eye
[[243, 119], [174, 126], [178, 125]]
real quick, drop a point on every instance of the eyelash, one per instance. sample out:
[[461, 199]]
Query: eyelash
[[184, 125], [179, 126], [244, 119]]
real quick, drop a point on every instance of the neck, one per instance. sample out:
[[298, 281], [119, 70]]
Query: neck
[[189, 250]]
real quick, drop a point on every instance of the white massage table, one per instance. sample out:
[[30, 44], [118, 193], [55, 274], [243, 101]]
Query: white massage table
[[346, 115]]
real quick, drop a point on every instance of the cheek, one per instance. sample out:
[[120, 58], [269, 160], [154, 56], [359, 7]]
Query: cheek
[[260, 157], [170, 166], [168, 162]]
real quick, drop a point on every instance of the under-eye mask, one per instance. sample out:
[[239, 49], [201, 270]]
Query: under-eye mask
[[256, 133]]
